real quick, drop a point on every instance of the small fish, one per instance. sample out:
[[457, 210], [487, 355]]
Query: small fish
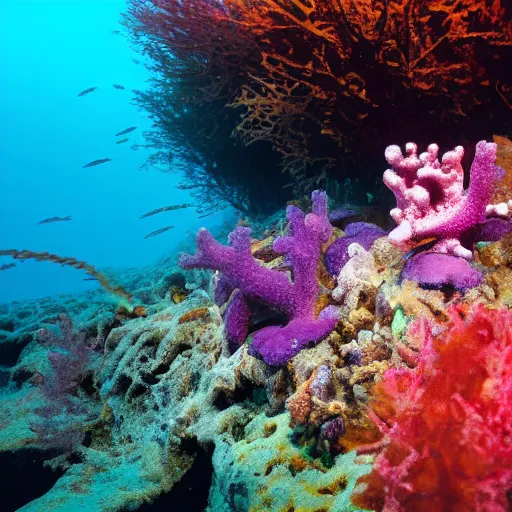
[[165, 209], [115, 32], [7, 266], [122, 141], [206, 214], [127, 130], [97, 162], [89, 279], [424, 245], [54, 219], [158, 232], [87, 91], [135, 61], [120, 87]]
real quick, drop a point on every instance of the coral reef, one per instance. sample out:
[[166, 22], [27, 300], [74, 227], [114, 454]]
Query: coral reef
[[309, 360], [266, 471]]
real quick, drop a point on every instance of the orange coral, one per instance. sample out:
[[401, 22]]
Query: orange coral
[[319, 80], [447, 423], [195, 314]]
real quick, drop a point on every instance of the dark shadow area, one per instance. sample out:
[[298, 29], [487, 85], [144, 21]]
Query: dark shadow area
[[191, 492], [24, 478]]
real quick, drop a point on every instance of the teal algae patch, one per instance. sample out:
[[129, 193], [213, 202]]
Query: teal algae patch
[[266, 471], [107, 483]]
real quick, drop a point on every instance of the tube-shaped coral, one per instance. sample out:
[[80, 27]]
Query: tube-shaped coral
[[431, 201], [296, 300]]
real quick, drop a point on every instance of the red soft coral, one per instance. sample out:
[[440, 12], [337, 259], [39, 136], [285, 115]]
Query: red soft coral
[[447, 423]]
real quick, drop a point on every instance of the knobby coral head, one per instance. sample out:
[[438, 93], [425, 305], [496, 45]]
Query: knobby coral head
[[431, 200], [296, 299]]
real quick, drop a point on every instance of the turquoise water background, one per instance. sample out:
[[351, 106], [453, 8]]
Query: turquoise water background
[[49, 52]]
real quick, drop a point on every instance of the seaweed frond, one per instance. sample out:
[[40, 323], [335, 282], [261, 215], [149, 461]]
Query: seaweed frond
[[69, 262]]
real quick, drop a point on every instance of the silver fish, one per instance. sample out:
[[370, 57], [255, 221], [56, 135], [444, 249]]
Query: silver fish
[[54, 219], [158, 232], [97, 162], [87, 91], [126, 130], [165, 209]]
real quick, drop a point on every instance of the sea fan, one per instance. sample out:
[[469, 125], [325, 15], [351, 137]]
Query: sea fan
[[67, 406]]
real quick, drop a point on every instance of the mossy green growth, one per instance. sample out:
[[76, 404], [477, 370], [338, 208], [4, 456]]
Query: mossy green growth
[[400, 322]]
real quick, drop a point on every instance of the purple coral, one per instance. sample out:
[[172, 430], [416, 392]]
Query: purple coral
[[362, 233], [431, 200], [60, 421], [236, 320], [296, 300], [490, 230], [435, 270]]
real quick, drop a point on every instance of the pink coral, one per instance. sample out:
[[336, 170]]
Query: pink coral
[[447, 423], [431, 200]]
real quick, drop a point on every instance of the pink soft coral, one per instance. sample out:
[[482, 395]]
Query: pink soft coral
[[447, 423]]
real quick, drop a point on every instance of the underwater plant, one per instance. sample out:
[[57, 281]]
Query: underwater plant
[[254, 282], [22, 255], [447, 422], [60, 422]]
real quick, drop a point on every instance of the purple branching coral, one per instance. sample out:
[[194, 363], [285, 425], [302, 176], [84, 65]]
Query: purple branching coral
[[60, 421], [431, 200], [296, 298]]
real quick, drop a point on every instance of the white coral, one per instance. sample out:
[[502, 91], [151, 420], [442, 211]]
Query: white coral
[[355, 277]]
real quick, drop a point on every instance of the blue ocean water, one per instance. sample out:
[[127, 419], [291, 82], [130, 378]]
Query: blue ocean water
[[50, 51]]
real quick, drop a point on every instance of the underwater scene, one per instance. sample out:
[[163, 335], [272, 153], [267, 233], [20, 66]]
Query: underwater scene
[[256, 255]]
